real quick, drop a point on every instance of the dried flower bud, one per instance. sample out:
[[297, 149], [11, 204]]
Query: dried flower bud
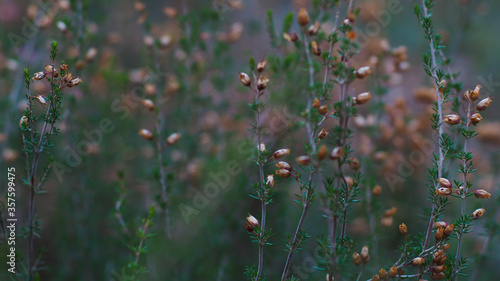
[[303, 17], [452, 119], [303, 160], [262, 83], [444, 182], [173, 138], [437, 276], [364, 71], [292, 37], [437, 256], [323, 110], [90, 55], [281, 152], [443, 191], [261, 147], [382, 273], [483, 104], [39, 75], [354, 163], [41, 100], [23, 121], [439, 224], [349, 181], [270, 180], [261, 65], [313, 29], [50, 68], [63, 67], [316, 103], [439, 268], [403, 229], [478, 213], [283, 173], [315, 48], [74, 82], [449, 229], [377, 190], [393, 272], [473, 95], [249, 227], [362, 98], [284, 165], [322, 134], [482, 194], [148, 104], [417, 261], [439, 233], [337, 153], [322, 152], [476, 118], [390, 212], [252, 220], [245, 79], [386, 221], [365, 257], [375, 277], [445, 247], [356, 258], [146, 134]]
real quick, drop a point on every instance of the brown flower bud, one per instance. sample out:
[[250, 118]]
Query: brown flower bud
[[74, 82], [393, 272], [382, 273], [449, 229], [476, 118], [403, 229], [375, 277], [439, 233], [439, 224], [39, 75], [146, 134], [386, 221], [284, 165], [362, 98], [444, 182], [148, 104], [252, 220], [284, 173], [322, 152], [245, 79], [323, 109], [303, 160], [445, 247], [23, 121], [377, 190], [356, 258], [417, 261], [261, 65], [473, 95], [281, 152], [337, 153], [313, 29], [439, 268], [478, 213], [483, 104], [90, 55], [365, 257], [364, 71], [41, 100], [482, 194], [315, 48], [390, 212], [437, 256], [173, 138], [290, 37], [437, 276], [322, 134], [349, 181], [262, 83], [316, 103], [270, 180], [354, 163], [452, 119], [303, 17], [443, 191]]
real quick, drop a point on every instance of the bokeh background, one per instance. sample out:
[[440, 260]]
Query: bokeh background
[[196, 50]]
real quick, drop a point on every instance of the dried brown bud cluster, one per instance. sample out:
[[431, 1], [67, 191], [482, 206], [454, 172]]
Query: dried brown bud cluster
[[388, 215]]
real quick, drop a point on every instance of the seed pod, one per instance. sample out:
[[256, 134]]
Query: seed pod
[[283, 173], [365, 256], [452, 119], [356, 258], [261, 65], [173, 138], [39, 75], [303, 17], [270, 180], [382, 273], [482, 194], [403, 229], [354, 163], [437, 256], [393, 272], [284, 165], [449, 229], [74, 82], [439, 268], [245, 79], [322, 152], [252, 220], [323, 109], [478, 213], [313, 29], [439, 233], [337, 153], [262, 83], [417, 261], [322, 134], [443, 191], [303, 160], [149, 104], [281, 152], [315, 48], [439, 224], [41, 100], [146, 134], [316, 103], [483, 104], [473, 95], [362, 98], [476, 118], [437, 276], [444, 182], [362, 72], [377, 190]]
